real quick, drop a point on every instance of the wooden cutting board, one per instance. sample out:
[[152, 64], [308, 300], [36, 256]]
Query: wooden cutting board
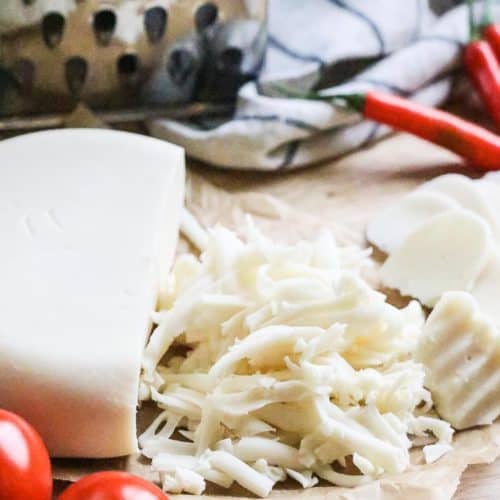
[[346, 194]]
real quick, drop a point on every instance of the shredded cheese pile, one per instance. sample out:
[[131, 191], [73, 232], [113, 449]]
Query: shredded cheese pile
[[275, 361]]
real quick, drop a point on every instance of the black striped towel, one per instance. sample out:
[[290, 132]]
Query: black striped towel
[[404, 46]]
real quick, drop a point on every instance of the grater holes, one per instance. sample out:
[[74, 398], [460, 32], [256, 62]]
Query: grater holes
[[127, 67], [53, 29], [104, 24], [231, 58], [127, 64], [155, 23], [180, 65], [206, 15], [23, 71], [76, 69]]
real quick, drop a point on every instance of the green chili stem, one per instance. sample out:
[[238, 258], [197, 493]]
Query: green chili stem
[[474, 30], [353, 101], [487, 17]]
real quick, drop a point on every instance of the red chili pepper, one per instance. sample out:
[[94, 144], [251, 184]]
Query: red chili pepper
[[483, 69], [491, 34], [491, 30], [474, 143], [478, 145]]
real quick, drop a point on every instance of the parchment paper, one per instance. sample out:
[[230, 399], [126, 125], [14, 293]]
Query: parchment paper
[[343, 196]]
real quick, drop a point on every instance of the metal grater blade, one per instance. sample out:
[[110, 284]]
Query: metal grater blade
[[126, 56]]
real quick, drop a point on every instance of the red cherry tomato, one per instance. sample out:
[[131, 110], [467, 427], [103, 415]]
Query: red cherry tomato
[[25, 471], [113, 486]]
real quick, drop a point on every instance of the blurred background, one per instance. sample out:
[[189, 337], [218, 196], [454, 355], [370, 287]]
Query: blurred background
[[205, 74], [115, 54]]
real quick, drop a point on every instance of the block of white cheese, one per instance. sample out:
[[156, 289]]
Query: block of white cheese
[[460, 351], [390, 228], [88, 223], [447, 253]]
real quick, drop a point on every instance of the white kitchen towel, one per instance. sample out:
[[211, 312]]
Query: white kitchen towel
[[418, 51]]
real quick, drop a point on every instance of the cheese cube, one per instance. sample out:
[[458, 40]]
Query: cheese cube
[[460, 351]]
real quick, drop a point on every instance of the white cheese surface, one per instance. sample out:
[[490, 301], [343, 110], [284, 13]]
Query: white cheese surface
[[460, 350], [446, 253], [487, 287], [88, 224], [467, 193], [294, 364], [390, 228], [433, 249]]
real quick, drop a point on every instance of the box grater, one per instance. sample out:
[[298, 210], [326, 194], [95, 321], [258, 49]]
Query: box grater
[[123, 54]]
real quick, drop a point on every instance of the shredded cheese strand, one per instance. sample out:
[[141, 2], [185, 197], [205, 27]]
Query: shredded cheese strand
[[291, 365]]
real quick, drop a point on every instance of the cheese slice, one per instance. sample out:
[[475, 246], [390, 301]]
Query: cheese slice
[[491, 194], [466, 193], [446, 253], [89, 222], [492, 177], [390, 228], [486, 289]]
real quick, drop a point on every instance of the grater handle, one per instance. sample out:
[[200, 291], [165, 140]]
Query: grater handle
[[183, 112]]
